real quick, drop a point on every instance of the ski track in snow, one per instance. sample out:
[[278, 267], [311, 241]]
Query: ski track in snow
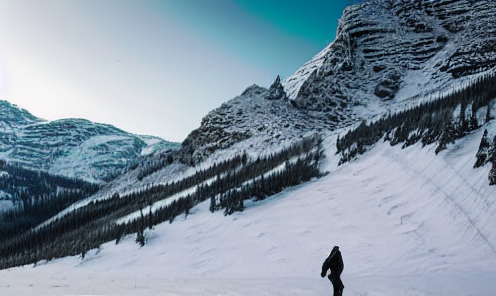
[[408, 222]]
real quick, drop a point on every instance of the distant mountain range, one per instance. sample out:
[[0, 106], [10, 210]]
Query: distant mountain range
[[75, 148]]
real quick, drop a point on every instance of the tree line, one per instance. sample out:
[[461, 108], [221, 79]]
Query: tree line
[[430, 122], [293, 173], [89, 226], [37, 196]]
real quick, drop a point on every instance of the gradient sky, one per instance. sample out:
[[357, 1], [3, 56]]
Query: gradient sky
[[152, 67]]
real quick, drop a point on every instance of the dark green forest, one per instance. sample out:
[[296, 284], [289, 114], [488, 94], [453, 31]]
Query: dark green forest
[[430, 123], [226, 184], [37, 196]]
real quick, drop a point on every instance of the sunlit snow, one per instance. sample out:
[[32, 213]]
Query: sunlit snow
[[408, 222]]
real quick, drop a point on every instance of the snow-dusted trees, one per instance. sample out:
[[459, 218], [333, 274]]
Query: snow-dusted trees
[[482, 153], [443, 120], [234, 180], [140, 231], [492, 159], [293, 173], [37, 196]]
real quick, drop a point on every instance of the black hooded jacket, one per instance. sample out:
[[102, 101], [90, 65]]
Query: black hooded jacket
[[334, 262]]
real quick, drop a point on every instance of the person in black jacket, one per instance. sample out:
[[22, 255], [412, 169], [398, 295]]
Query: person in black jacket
[[335, 263]]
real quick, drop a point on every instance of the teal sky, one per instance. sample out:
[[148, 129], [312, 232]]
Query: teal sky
[[152, 66], [276, 35]]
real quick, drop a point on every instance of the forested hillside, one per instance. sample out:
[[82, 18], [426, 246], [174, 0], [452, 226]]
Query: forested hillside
[[441, 121], [36, 196], [226, 184]]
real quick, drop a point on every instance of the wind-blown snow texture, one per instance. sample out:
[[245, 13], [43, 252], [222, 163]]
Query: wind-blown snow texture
[[408, 222]]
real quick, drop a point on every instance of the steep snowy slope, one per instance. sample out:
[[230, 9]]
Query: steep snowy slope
[[408, 222], [263, 121], [70, 147]]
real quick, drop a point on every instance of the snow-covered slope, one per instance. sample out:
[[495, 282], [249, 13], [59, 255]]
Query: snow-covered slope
[[70, 147], [293, 83], [259, 124], [408, 222]]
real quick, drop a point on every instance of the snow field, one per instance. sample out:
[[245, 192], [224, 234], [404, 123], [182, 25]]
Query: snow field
[[408, 222]]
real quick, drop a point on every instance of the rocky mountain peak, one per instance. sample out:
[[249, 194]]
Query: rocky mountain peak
[[12, 114], [254, 121], [276, 90], [387, 56], [386, 52], [71, 147]]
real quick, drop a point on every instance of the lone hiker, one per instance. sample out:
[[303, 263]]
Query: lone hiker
[[335, 263]]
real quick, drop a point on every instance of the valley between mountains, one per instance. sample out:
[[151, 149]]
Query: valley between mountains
[[384, 143]]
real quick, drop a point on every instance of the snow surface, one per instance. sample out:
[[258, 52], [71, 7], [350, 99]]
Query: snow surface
[[83, 157], [154, 144], [293, 83], [5, 205], [408, 222]]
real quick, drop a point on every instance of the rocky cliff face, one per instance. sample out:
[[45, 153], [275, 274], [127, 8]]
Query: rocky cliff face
[[259, 117], [71, 147], [388, 51], [387, 56]]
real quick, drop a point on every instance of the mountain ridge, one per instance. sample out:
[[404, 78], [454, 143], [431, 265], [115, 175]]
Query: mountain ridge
[[388, 52], [71, 147], [257, 124]]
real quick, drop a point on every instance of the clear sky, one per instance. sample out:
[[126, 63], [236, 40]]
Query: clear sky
[[152, 67]]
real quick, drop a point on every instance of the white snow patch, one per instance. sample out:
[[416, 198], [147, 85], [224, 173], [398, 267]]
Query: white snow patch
[[408, 222], [5, 205], [79, 159], [293, 83], [4, 195]]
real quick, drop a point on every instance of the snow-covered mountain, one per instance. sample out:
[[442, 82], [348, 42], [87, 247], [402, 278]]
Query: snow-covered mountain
[[408, 222], [70, 147], [402, 104], [392, 52], [388, 56]]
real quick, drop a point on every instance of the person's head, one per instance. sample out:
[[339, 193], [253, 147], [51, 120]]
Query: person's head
[[335, 249]]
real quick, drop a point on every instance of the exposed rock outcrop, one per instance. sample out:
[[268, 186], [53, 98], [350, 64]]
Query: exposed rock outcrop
[[383, 47]]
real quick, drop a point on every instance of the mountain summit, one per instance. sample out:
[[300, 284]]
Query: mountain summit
[[75, 148], [14, 115], [392, 52]]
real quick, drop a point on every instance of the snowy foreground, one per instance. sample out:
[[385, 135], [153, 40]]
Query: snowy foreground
[[408, 222]]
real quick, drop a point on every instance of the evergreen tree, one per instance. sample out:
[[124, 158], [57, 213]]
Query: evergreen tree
[[492, 159], [482, 153], [140, 234]]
